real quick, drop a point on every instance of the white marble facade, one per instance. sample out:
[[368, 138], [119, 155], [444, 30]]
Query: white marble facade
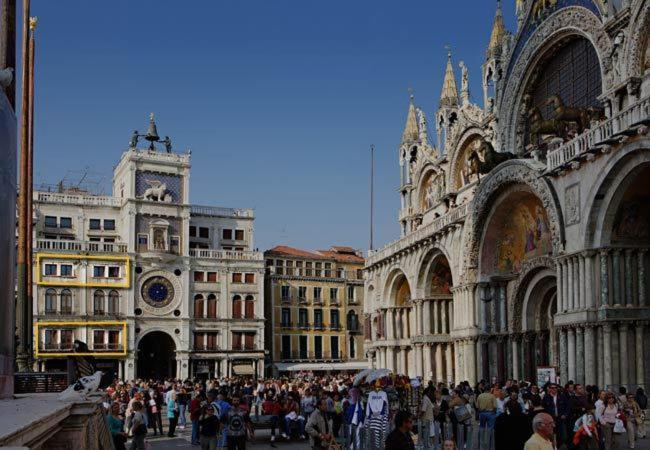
[[536, 254], [183, 280]]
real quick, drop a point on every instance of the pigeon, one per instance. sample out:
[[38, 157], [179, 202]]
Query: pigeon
[[82, 387]]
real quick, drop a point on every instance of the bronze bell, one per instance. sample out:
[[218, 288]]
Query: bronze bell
[[152, 132]]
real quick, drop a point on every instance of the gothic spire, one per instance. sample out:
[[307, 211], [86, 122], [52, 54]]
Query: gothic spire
[[411, 130], [449, 95], [498, 33]]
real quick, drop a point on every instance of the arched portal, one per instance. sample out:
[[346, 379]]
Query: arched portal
[[156, 356]]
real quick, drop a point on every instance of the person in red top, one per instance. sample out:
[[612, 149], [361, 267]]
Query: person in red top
[[271, 407], [195, 415]]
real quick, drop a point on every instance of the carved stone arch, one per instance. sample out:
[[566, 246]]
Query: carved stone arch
[[456, 157], [424, 261], [422, 176], [574, 20], [497, 182], [638, 39], [607, 190], [175, 337], [530, 268], [393, 277]]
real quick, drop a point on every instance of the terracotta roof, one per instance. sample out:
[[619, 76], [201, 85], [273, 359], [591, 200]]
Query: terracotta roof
[[342, 257], [343, 249], [290, 251]]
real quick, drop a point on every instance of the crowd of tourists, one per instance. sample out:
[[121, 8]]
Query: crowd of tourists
[[329, 411]]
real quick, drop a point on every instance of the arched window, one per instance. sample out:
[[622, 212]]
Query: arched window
[[66, 301], [198, 306], [236, 307], [50, 301], [212, 306], [353, 321], [98, 303], [113, 302], [250, 307]]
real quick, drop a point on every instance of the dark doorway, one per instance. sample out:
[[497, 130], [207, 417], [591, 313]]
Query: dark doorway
[[156, 356]]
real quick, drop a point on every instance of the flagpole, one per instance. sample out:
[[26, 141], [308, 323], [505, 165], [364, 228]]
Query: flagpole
[[22, 311], [30, 189], [372, 194]]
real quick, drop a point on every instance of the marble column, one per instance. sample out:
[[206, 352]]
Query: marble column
[[449, 362], [641, 277], [426, 317], [564, 361], [558, 275], [580, 356], [418, 317], [390, 330], [439, 366], [629, 283], [390, 358], [581, 281], [503, 325], [470, 349], [576, 282], [444, 325], [624, 357], [419, 371], [590, 298], [640, 355], [571, 282], [565, 285], [571, 352], [434, 305], [485, 309], [590, 356], [515, 357], [607, 356], [600, 356], [406, 369], [604, 279], [426, 357], [616, 275]]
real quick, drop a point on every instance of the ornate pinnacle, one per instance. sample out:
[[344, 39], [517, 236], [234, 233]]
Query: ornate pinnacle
[[33, 21]]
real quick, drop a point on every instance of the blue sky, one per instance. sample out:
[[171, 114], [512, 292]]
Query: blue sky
[[278, 100]]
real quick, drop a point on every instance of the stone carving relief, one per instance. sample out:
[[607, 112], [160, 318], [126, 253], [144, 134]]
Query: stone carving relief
[[572, 204], [638, 50], [433, 189], [570, 20]]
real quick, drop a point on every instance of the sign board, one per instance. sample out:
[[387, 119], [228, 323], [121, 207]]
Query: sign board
[[546, 374]]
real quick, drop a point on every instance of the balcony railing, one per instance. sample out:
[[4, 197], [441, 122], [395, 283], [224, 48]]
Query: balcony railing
[[335, 326], [244, 347], [213, 211], [304, 325], [77, 199], [107, 346], [455, 215], [601, 134], [80, 246], [226, 254], [319, 326], [206, 348], [56, 346], [286, 324]]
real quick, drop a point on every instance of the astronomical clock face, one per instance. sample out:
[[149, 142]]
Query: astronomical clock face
[[157, 291]]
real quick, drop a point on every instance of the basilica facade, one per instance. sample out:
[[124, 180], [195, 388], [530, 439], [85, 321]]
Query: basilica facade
[[525, 220]]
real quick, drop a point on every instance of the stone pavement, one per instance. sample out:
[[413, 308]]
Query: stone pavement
[[261, 442]]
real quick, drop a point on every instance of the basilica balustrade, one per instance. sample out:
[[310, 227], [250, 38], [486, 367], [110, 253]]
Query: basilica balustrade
[[213, 211], [454, 216], [600, 136]]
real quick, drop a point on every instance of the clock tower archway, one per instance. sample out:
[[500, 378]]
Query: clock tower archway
[[156, 356]]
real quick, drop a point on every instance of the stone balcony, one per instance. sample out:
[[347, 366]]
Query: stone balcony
[[455, 215], [226, 254], [60, 245], [214, 211], [77, 199], [600, 137]]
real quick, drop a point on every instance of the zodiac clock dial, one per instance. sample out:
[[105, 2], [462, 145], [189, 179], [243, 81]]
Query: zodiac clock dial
[[157, 291]]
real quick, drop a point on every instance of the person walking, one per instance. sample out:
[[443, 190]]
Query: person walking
[[543, 429], [182, 399], [236, 423], [318, 428], [608, 420], [633, 415], [138, 430], [486, 403], [172, 414], [195, 417], [209, 424], [400, 438], [116, 427]]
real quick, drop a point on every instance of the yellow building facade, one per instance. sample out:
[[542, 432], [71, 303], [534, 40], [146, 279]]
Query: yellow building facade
[[314, 309]]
